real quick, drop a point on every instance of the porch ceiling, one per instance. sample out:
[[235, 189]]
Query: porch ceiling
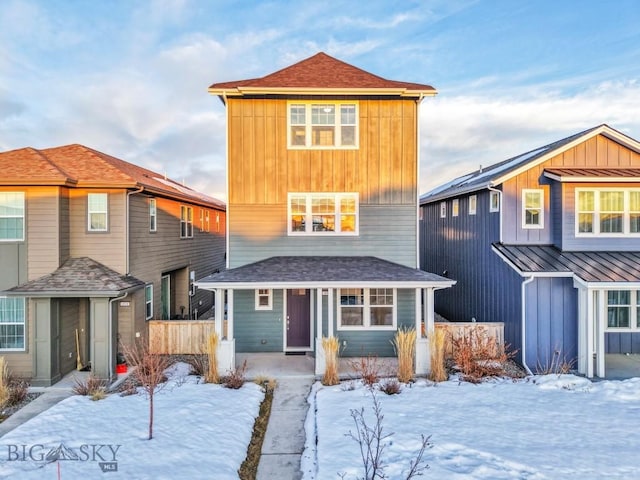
[[78, 277], [590, 267], [323, 271]]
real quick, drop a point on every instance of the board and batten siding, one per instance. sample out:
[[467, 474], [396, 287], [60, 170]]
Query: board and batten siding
[[260, 231], [104, 247], [262, 170], [459, 248], [622, 342]]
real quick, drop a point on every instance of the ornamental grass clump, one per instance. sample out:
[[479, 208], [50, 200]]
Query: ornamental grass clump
[[437, 343], [404, 343], [330, 345], [211, 348]]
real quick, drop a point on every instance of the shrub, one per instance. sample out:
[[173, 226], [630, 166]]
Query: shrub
[[391, 386], [558, 365], [404, 343], [330, 345], [437, 343], [235, 379], [199, 363], [367, 368], [18, 391], [89, 386], [478, 356]]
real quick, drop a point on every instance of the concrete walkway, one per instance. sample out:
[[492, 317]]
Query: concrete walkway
[[49, 398], [285, 437]]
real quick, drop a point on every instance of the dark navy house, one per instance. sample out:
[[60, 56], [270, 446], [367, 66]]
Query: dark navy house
[[547, 242]]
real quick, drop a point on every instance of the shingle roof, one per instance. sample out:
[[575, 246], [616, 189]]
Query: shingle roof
[[318, 271], [79, 277], [77, 165], [597, 267], [321, 72], [500, 172]]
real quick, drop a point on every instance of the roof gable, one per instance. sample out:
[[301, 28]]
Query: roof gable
[[79, 166], [321, 73], [501, 172]]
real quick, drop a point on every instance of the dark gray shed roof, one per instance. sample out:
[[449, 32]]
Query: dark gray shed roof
[[591, 267], [318, 271], [496, 174], [79, 277]]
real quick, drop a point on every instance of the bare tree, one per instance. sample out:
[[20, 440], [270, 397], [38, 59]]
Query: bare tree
[[148, 372]]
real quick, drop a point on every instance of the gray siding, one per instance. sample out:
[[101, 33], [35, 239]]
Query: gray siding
[[512, 211], [487, 289], [260, 232], [13, 264], [69, 315], [42, 226], [623, 342], [551, 322], [257, 330], [557, 212]]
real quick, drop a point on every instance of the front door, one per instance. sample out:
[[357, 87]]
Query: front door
[[298, 319]]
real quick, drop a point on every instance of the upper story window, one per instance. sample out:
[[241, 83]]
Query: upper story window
[[217, 222], [153, 215], [11, 216], [97, 212], [186, 222], [623, 309], [443, 209], [532, 208], [264, 299], [323, 213], [494, 201], [207, 218], [607, 212], [12, 319], [322, 125], [473, 201], [455, 207], [371, 308]]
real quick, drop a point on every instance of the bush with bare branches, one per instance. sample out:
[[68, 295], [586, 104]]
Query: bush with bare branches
[[367, 368], [558, 364], [391, 386], [148, 371], [235, 379], [477, 355], [91, 386]]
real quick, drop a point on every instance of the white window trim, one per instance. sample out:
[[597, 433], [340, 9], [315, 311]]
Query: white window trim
[[24, 329], [309, 215], [633, 314], [201, 220], [153, 215], [443, 209], [148, 302], [217, 221], [523, 212], [492, 195], [106, 214], [207, 224], [308, 145], [472, 211], [455, 207], [366, 321], [21, 239], [269, 294], [188, 230], [626, 224]]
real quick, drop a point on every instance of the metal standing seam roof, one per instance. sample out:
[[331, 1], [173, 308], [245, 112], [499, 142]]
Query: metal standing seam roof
[[591, 267], [593, 174], [322, 271], [79, 277], [496, 174]]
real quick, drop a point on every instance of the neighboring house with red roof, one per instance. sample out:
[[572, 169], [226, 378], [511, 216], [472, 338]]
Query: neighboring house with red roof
[[93, 244], [547, 242], [322, 167]]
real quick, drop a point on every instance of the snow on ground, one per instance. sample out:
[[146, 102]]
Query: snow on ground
[[201, 431], [546, 427]]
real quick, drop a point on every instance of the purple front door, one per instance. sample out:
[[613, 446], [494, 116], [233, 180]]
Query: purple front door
[[298, 318]]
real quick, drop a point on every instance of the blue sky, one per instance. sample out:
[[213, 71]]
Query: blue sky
[[130, 78]]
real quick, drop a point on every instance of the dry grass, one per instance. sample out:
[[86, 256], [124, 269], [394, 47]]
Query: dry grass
[[391, 386], [367, 368], [558, 365], [404, 343], [249, 468], [211, 349], [331, 346], [437, 344], [4, 383], [477, 355], [90, 386]]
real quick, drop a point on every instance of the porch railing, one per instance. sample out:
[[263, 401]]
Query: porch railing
[[173, 337], [456, 330]]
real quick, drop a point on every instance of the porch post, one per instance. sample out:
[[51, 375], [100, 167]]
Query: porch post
[[229, 314], [320, 360], [227, 345], [583, 318], [330, 312], [590, 322], [423, 356], [601, 326], [219, 312]]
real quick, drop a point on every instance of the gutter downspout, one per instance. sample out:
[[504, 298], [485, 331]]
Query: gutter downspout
[[525, 282], [111, 332], [126, 229], [499, 192]]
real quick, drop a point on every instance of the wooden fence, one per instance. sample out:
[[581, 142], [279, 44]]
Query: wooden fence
[[179, 336], [472, 330]]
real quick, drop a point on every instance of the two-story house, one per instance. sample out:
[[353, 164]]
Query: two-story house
[[91, 247], [322, 167], [547, 242]]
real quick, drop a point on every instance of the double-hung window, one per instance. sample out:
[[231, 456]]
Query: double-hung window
[[186, 222], [494, 202], [473, 201], [153, 215], [264, 299], [323, 213], [97, 212], [455, 207], [11, 216], [532, 208], [322, 125], [623, 309], [206, 221], [12, 320], [607, 212], [371, 308], [148, 301]]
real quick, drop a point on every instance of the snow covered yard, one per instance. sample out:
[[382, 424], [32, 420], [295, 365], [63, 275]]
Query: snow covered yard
[[201, 431], [546, 427]]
